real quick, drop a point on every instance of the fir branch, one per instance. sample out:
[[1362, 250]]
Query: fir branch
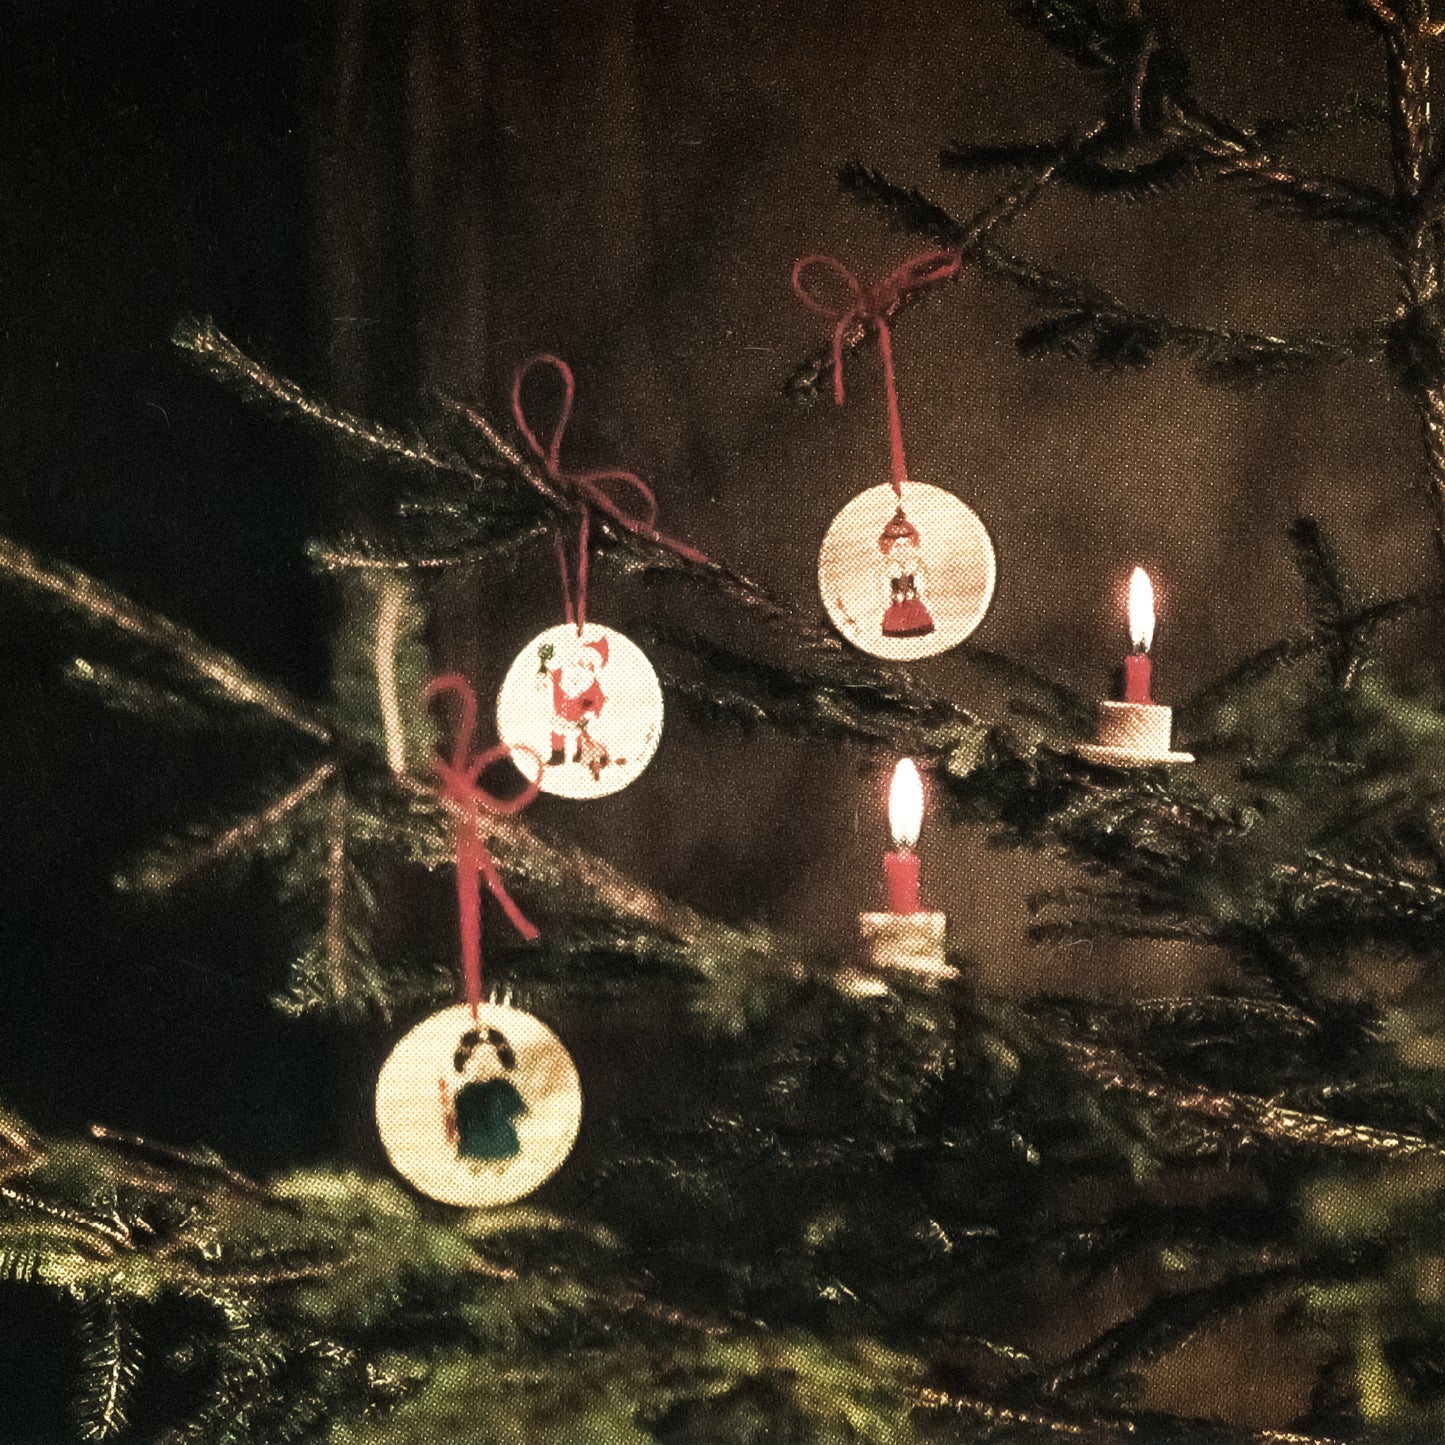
[[357, 553], [982, 158], [1172, 1319], [207, 1169], [334, 934], [507, 454], [111, 1363], [1204, 152], [1111, 1426], [569, 867], [1351, 111], [833, 693], [920, 216], [1069, 708], [1334, 894], [1334, 200], [1086, 320], [104, 1236], [163, 867], [1258, 665], [16, 1138], [1242, 1118], [103, 607], [137, 696], [1329, 594], [224, 360], [1214, 1011]]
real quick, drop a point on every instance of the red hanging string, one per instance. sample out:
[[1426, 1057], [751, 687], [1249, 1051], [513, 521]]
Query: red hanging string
[[870, 308], [590, 490], [459, 785]]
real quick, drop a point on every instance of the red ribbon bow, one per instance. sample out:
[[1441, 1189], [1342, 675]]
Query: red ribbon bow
[[589, 487], [459, 785], [870, 307]]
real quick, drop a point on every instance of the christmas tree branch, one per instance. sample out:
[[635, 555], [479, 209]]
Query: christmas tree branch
[[162, 868], [349, 1271], [1172, 1319], [816, 371], [645, 553], [1260, 664], [1087, 320], [370, 554], [205, 1168], [1104, 1428], [224, 360], [122, 692], [1242, 1118], [317, 1263], [1200, 148], [835, 692], [104, 607], [737, 960]]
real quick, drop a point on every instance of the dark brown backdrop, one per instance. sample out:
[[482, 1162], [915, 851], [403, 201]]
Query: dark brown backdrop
[[628, 184]]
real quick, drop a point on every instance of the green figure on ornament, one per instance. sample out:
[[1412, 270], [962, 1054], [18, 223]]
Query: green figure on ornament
[[484, 1114], [479, 1117]]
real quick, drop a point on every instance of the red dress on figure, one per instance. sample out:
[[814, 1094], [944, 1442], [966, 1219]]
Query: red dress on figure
[[906, 615]]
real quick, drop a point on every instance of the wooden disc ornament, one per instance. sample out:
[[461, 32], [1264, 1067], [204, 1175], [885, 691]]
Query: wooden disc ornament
[[587, 703], [906, 570], [905, 577], [478, 1111]]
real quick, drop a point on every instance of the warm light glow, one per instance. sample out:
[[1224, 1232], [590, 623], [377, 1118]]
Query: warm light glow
[[905, 805], [1141, 610]]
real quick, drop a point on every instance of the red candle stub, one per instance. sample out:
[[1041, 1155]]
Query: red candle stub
[[1137, 667], [902, 870], [905, 822], [1138, 671]]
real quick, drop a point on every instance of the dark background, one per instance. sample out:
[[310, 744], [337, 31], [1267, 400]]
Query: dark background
[[378, 198]]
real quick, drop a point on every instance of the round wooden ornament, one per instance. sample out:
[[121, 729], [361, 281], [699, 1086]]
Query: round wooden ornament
[[588, 704], [478, 1111], [905, 577]]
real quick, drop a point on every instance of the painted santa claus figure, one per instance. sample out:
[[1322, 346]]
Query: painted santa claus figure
[[577, 703]]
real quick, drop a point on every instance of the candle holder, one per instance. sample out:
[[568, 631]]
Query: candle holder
[[1138, 731], [1134, 734], [900, 946]]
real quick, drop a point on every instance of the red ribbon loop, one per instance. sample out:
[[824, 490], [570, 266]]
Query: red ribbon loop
[[459, 777], [870, 307], [592, 489]]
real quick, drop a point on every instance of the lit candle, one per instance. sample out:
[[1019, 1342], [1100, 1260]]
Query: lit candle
[[905, 821], [1138, 669], [905, 943], [1136, 731]]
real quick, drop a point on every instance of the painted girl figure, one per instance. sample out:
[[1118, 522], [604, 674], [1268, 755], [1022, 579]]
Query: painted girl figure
[[904, 612]]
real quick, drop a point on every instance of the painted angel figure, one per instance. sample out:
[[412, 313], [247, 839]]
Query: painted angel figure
[[480, 1107], [905, 576]]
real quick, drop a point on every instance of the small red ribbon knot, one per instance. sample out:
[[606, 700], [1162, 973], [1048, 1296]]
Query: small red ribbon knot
[[870, 307], [596, 488], [459, 776]]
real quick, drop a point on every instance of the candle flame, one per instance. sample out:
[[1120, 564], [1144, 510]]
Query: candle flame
[[1141, 610], [905, 805]]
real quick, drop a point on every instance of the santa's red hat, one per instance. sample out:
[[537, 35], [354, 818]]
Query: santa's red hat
[[897, 529], [600, 648]]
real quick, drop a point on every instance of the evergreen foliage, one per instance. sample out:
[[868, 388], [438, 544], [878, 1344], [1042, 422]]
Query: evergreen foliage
[[827, 1238]]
